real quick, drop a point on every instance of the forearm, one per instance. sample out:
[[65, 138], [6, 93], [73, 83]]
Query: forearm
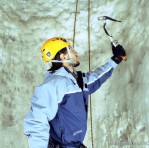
[[96, 78]]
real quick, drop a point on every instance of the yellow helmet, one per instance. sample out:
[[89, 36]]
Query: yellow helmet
[[52, 46]]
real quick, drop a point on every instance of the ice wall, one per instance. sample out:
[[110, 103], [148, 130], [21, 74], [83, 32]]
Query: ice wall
[[120, 107]]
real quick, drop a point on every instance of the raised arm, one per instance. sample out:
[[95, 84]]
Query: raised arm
[[96, 78]]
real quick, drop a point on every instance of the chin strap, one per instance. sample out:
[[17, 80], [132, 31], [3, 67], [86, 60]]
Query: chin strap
[[70, 60], [70, 56]]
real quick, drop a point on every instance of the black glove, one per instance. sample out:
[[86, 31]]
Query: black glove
[[118, 53]]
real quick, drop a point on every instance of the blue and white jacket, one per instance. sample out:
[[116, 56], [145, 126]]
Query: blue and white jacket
[[58, 106]]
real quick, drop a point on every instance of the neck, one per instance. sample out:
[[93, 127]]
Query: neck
[[69, 66]]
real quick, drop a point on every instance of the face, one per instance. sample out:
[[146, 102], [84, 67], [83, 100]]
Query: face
[[74, 56]]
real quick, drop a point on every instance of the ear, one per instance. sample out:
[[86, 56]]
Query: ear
[[64, 56]]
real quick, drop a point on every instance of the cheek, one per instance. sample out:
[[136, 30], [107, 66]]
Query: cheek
[[73, 55], [67, 56]]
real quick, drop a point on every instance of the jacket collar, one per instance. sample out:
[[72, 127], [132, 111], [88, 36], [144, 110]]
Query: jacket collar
[[63, 71]]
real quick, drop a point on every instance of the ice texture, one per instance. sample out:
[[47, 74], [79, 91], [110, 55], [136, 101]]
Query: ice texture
[[120, 107]]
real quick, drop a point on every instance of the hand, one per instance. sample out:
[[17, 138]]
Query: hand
[[119, 53]]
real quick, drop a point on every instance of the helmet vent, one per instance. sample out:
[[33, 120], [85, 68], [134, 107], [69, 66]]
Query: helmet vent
[[48, 54], [64, 40]]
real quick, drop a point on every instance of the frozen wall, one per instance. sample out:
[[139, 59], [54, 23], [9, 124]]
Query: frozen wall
[[120, 107]]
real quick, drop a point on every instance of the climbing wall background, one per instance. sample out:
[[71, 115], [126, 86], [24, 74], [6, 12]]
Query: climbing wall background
[[120, 107]]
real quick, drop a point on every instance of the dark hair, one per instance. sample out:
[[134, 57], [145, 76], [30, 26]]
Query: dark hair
[[56, 66]]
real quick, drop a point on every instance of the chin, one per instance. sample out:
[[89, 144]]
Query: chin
[[76, 64]]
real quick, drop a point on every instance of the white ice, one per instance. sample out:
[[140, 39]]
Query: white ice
[[120, 107]]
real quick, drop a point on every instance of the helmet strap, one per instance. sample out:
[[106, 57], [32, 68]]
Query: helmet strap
[[70, 60], [56, 61], [70, 56]]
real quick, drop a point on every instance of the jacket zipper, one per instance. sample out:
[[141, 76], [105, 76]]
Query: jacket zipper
[[61, 133], [61, 130]]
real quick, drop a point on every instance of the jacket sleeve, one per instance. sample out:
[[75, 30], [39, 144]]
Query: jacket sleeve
[[96, 78], [44, 106]]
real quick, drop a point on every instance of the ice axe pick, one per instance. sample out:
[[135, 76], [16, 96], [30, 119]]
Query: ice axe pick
[[114, 42]]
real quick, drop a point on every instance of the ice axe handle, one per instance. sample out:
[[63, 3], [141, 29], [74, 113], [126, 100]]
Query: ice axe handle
[[114, 42]]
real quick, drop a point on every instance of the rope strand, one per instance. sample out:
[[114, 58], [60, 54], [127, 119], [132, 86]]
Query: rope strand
[[74, 30], [89, 59]]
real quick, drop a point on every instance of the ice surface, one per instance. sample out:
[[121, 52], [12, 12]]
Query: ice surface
[[120, 106]]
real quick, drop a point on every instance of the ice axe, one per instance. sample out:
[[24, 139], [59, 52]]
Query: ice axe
[[114, 42]]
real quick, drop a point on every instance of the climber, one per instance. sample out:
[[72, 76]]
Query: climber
[[59, 106]]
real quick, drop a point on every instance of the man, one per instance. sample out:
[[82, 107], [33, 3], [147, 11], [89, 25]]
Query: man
[[58, 114]]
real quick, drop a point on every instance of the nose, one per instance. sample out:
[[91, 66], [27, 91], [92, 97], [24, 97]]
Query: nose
[[75, 51]]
